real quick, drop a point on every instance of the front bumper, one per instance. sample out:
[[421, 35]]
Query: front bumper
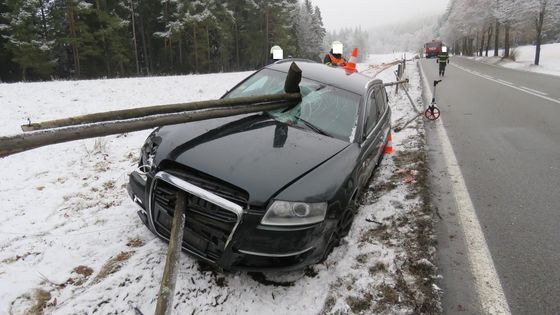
[[250, 247]]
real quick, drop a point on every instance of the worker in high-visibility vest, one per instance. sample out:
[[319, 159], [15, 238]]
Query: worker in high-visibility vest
[[334, 57], [442, 60]]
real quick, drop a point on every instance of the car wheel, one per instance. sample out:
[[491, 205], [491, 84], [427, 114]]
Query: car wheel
[[342, 227]]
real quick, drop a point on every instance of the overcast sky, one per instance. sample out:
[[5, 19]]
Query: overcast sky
[[370, 13]]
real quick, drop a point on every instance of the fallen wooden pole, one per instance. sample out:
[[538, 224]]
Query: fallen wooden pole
[[396, 82], [291, 94], [104, 124], [167, 287], [131, 113], [27, 141]]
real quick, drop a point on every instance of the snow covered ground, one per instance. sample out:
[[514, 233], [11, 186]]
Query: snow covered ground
[[71, 242], [549, 60]]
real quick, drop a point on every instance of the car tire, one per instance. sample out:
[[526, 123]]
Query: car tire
[[342, 227]]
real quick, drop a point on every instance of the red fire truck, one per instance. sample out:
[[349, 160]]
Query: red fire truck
[[433, 48]]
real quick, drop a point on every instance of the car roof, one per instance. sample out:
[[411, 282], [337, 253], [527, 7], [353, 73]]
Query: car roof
[[335, 76]]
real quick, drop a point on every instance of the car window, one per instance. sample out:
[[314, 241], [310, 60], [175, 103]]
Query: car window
[[381, 101], [270, 83], [372, 112], [331, 110]]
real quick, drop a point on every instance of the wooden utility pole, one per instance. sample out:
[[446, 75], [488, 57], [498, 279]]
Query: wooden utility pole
[[117, 122], [167, 288]]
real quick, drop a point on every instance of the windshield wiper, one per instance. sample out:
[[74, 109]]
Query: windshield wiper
[[313, 127]]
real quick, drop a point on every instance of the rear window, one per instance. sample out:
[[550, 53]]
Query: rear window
[[330, 109]]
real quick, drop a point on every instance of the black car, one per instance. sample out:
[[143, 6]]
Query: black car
[[274, 190]]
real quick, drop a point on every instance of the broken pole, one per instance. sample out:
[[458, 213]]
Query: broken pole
[[167, 288], [132, 113], [27, 141]]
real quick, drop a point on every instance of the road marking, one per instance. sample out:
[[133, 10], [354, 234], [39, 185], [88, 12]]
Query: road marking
[[506, 83], [487, 283], [487, 76], [534, 91]]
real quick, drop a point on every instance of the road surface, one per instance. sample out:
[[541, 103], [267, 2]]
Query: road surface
[[504, 128]]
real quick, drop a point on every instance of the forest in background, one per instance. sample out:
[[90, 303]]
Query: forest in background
[[82, 39], [473, 27]]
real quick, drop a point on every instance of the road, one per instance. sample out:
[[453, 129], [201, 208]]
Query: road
[[504, 128]]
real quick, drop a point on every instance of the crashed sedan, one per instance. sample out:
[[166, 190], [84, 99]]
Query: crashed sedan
[[269, 191]]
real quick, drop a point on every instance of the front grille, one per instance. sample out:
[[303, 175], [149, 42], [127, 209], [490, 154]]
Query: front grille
[[207, 226], [206, 182]]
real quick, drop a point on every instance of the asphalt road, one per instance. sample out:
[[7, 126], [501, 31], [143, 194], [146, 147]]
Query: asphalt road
[[504, 127]]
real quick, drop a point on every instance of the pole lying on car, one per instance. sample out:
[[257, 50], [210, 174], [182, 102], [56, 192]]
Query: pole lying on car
[[116, 122]]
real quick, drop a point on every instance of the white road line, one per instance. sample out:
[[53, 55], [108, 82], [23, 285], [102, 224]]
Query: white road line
[[534, 91], [487, 283], [506, 83]]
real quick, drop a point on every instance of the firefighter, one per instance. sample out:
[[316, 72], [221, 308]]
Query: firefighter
[[442, 60], [334, 57]]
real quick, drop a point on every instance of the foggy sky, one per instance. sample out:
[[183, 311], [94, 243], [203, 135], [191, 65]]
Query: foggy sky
[[370, 13]]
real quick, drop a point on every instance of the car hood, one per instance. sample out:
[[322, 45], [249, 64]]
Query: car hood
[[254, 153]]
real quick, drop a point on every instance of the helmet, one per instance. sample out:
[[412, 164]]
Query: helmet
[[443, 49], [277, 53], [337, 47]]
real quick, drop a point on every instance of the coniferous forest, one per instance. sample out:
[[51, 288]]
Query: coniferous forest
[[82, 39]]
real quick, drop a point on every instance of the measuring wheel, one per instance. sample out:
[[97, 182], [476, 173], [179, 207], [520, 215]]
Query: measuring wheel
[[432, 112]]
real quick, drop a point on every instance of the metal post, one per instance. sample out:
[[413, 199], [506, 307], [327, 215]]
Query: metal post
[[167, 287]]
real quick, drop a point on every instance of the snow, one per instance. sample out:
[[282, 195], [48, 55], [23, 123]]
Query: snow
[[549, 60], [65, 206]]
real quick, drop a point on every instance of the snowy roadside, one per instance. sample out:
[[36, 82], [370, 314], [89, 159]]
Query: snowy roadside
[[549, 61], [71, 243]]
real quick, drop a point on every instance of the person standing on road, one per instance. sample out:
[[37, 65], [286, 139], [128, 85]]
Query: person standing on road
[[334, 57], [442, 60]]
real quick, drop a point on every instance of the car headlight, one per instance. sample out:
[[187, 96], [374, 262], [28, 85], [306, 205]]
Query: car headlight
[[294, 213]]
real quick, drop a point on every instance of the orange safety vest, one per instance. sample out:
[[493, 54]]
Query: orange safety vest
[[341, 62]]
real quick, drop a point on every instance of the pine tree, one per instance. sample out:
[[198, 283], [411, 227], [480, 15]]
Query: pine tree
[[29, 38]]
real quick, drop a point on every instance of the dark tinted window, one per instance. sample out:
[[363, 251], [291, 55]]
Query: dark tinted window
[[372, 112], [381, 99]]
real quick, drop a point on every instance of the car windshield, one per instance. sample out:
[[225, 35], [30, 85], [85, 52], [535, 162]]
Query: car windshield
[[324, 109]]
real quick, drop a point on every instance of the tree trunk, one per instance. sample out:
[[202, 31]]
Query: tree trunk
[[497, 39], [481, 44], [43, 20], [208, 46], [237, 45], [506, 41], [146, 57], [134, 37], [195, 49], [105, 52], [489, 38], [267, 17], [539, 25], [181, 50], [74, 38]]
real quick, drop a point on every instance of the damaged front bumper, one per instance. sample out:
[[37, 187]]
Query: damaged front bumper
[[224, 234]]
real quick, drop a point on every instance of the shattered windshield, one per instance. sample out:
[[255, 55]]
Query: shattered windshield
[[324, 109]]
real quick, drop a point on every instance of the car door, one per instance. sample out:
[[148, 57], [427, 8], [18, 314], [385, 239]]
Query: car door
[[384, 120], [370, 142]]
